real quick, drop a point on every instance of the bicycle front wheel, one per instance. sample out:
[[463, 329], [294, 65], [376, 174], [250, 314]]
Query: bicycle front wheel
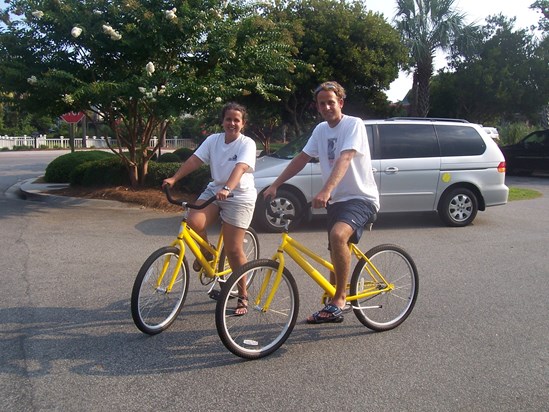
[[386, 310], [154, 308], [264, 328]]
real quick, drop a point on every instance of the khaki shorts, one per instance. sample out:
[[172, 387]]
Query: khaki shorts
[[233, 211]]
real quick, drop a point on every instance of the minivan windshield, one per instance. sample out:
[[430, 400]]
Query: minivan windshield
[[292, 149]]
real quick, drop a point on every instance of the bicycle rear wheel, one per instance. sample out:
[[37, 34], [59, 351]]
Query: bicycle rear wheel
[[386, 310], [262, 330], [153, 308], [251, 250]]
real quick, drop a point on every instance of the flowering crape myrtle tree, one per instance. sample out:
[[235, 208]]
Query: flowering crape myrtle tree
[[138, 64]]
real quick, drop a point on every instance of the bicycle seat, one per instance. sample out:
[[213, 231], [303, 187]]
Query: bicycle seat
[[370, 222]]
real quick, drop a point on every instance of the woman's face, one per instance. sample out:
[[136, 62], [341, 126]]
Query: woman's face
[[232, 124]]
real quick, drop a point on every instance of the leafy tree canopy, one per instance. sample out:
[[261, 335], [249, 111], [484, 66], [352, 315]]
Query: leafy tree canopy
[[502, 77], [427, 26], [138, 64], [339, 41]]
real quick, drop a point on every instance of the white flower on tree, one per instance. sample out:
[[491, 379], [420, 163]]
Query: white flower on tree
[[32, 80], [67, 98], [170, 14], [38, 14], [76, 31], [149, 68], [108, 30]]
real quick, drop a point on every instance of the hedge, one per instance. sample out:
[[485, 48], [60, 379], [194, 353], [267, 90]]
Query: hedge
[[60, 169], [106, 172]]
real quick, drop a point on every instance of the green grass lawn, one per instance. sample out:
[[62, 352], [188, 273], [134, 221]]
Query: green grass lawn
[[516, 193]]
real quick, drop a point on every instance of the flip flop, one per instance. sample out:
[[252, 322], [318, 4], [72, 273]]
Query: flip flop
[[241, 304], [333, 315]]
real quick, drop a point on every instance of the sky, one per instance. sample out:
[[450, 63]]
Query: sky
[[476, 11]]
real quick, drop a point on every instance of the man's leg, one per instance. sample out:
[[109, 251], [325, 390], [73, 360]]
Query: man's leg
[[341, 259]]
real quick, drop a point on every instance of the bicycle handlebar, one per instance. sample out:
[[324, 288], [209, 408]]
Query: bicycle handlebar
[[180, 202]]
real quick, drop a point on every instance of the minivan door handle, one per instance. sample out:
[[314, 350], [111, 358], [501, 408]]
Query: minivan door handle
[[391, 169]]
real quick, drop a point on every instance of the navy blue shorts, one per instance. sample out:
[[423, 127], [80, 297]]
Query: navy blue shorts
[[354, 212]]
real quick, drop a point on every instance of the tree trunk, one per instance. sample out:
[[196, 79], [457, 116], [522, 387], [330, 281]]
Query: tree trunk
[[144, 171], [134, 175], [413, 100], [424, 73]]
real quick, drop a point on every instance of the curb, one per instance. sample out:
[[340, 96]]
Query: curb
[[30, 190]]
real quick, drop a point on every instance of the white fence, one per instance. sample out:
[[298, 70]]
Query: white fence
[[93, 142]]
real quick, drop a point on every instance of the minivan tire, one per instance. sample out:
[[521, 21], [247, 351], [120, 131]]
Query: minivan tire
[[284, 200], [458, 207]]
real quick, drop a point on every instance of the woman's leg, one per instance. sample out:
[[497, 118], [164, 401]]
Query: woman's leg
[[233, 239]]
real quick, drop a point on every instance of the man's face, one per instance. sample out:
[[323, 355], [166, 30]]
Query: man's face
[[329, 106]]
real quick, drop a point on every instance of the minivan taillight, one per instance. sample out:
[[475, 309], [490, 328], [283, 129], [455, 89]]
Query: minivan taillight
[[502, 167]]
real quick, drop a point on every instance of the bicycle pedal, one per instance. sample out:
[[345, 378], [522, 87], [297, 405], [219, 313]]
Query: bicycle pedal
[[214, 294]]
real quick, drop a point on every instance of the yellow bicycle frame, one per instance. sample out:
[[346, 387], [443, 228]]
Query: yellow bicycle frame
[[298, 251], [188, 237]]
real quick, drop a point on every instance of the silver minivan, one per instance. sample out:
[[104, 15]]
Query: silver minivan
[[445, 165]]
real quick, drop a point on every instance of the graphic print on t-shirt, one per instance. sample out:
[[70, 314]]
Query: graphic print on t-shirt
[[331, 150]]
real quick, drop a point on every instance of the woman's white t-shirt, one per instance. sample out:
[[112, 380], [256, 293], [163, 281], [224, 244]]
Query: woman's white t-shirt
[[327, 143], [222, 158]]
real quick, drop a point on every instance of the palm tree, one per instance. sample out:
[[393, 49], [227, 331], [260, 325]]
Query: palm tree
[[426, 26]]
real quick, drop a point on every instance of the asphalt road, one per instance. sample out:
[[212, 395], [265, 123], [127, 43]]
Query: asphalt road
[[477, 339]]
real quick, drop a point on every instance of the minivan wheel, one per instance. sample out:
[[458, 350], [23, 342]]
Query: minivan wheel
[[458, 207], [284, 201]]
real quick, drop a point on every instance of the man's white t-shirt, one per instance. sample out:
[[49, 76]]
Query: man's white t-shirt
[[327, 143], [222, 158]]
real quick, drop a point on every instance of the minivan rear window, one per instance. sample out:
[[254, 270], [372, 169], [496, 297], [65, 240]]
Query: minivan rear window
[[401, 141], [459, 141]]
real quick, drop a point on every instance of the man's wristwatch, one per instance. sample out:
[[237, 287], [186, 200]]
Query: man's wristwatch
[[227, 188]]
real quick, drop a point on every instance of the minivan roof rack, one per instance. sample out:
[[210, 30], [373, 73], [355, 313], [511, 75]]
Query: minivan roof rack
[[432, 119]]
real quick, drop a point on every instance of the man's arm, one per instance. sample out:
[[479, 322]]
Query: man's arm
[[338, 171], [295, 166]]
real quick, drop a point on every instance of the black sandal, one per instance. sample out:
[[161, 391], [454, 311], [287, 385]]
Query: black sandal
[[241, 304]]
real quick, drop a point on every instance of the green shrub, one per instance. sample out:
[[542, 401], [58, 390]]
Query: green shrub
[[105, 172], [513, 132], [169, 158], [194, 183], [22, 147], [157, 172], [60, 169], [183, 153]]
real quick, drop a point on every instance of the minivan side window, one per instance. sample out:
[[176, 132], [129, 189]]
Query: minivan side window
[[401, 141], [370, 134], [459, 141]]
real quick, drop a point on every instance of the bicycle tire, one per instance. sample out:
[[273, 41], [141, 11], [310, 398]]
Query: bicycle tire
[[387, 310], [258, 333], [154, 310]]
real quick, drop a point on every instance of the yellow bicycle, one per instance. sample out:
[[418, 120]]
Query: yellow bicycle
[[382, 292], [161, 285]]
